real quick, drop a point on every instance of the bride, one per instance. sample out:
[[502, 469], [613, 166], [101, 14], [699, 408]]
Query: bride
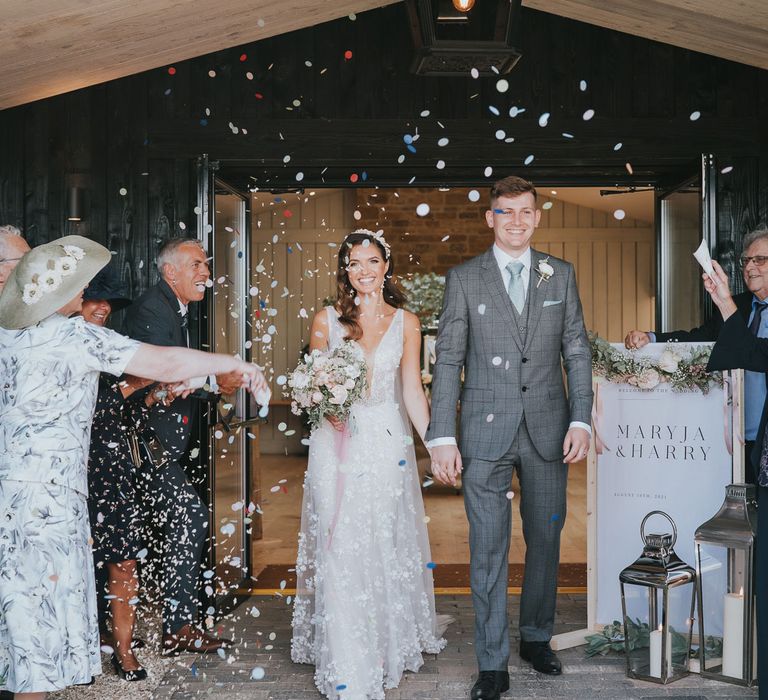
[[364, 610]]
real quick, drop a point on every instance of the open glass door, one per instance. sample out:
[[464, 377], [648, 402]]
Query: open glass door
[[685, 215], [231, 432]]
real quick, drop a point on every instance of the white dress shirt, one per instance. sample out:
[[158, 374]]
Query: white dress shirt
[[197, 382], [502, 260]]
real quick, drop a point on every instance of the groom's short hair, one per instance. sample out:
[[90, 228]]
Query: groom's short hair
[[511, 186]]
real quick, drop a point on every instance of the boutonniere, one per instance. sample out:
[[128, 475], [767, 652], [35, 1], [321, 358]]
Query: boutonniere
[[544, 270]]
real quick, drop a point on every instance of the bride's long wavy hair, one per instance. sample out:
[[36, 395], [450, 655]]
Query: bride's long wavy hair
[[349, 312]]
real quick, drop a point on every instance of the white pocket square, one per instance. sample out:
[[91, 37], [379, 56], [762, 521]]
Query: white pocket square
[[552, 303]]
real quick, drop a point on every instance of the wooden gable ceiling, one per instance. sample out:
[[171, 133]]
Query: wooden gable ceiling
[[48, 47]]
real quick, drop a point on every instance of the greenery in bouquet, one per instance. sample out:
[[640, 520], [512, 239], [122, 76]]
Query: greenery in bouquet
[[425, 296], [682, 366], [328, 383]]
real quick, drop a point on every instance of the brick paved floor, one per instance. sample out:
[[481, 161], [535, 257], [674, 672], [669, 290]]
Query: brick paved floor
[[447, 676]]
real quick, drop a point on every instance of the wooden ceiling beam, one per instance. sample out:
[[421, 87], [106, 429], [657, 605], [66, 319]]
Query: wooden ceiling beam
[[54, 46], [737, 31]]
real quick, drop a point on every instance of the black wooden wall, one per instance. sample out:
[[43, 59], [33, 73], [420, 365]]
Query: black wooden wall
[[132, 143]]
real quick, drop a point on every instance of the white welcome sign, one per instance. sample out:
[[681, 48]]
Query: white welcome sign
[[654, 448]]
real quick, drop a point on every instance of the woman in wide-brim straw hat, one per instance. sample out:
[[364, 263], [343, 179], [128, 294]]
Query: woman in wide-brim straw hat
[[49, 368]]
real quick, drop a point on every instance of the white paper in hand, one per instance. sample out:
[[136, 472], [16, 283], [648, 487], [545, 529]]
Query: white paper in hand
[[702, 255]]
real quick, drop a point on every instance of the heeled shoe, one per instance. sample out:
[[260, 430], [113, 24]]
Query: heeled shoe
[[139, 674]]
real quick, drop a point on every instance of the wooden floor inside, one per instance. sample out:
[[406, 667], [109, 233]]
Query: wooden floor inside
[[282, 479]]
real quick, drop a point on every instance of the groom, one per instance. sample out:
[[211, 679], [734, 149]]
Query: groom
[[512, 321]]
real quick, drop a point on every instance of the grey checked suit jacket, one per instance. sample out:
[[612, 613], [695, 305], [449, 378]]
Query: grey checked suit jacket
[[509, 374]]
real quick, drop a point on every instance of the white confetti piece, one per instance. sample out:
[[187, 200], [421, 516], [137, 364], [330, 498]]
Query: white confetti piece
[[619, 214], [544, 119], [282, 379], [496, 361], [618, 146], [475, 73], [473, 196], [489, 418], [695, 116], [510, 495], [258, 673], [502, 85], [501, 134], [546, 205], [583, 85], [481, 309], [488, 171], [440, 164], [422, 209], [443, 142], [528, 160], [588, 115], [123, 191]]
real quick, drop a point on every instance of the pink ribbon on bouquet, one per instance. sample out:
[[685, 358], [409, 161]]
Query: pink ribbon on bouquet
[[341, 438]]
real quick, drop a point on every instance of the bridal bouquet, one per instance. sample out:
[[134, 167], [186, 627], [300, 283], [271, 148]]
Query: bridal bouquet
[[328, 383]]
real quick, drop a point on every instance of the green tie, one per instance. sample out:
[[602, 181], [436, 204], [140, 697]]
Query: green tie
[[516, 288]]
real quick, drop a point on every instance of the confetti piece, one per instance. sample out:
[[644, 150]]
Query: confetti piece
[[496, 361], [695, 116], [528, 160], [443, 142], [726, 169], [440, 164], [488, 171], [171, 71], [211, 73], [353, 177], [475, 73], [493, 110], [502, 85], [510, 495], [431, 565], [554, 518], [546, 205], [243, 57], [402, 463], [473, 196], [347, 55], [544, 119], [341, 686], [583, 85], [422, 209], [514, 111], [481, 309], [489, 418], [588, 115], [299, 177], [618, 146], [619, 214], [501, 134]]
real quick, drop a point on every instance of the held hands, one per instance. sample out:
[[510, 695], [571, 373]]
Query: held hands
[[229, 382], [446, 464], [575, 445], [636, 340]]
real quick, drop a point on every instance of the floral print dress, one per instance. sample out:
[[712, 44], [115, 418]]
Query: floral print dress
[[49, 636]]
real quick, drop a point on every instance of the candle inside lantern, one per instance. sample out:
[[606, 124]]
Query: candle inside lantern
[[655, 650], [733, 634]]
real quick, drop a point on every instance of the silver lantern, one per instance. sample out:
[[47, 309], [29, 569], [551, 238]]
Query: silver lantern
[[725, 558], [658, 592]]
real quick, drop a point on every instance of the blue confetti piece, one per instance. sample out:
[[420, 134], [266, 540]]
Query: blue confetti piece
[[364, 176], [279, 200], [411, 148], [554, 517], [431, 565], [263, 304], [402, 462], [408, 139], [239, 253], [193, 670], [203, 122], [341, 686], [290, 250]]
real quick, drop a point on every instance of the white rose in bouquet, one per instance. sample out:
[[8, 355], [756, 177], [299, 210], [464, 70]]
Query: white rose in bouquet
[[669, 362], [339, 394], [299, 380]]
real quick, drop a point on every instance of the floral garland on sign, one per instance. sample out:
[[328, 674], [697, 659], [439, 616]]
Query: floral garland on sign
[[682, 366]]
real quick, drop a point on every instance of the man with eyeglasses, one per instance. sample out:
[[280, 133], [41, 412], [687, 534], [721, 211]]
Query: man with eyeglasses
[[12, 248], [751, 304]]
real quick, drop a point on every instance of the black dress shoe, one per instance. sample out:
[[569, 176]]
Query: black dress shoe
[[139, 674], [542, 657], [490, 685]]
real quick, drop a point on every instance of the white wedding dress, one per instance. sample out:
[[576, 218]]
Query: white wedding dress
[[364, 610]]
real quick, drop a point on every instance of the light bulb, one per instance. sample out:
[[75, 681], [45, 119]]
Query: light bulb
[[463, 5]]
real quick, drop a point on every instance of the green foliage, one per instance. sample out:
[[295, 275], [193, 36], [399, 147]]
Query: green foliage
[[682, 366], [425, 296], [638, 637]]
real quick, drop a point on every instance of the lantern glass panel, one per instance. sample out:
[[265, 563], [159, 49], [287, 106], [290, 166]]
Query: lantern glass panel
[[723, 581], [658, 628]]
